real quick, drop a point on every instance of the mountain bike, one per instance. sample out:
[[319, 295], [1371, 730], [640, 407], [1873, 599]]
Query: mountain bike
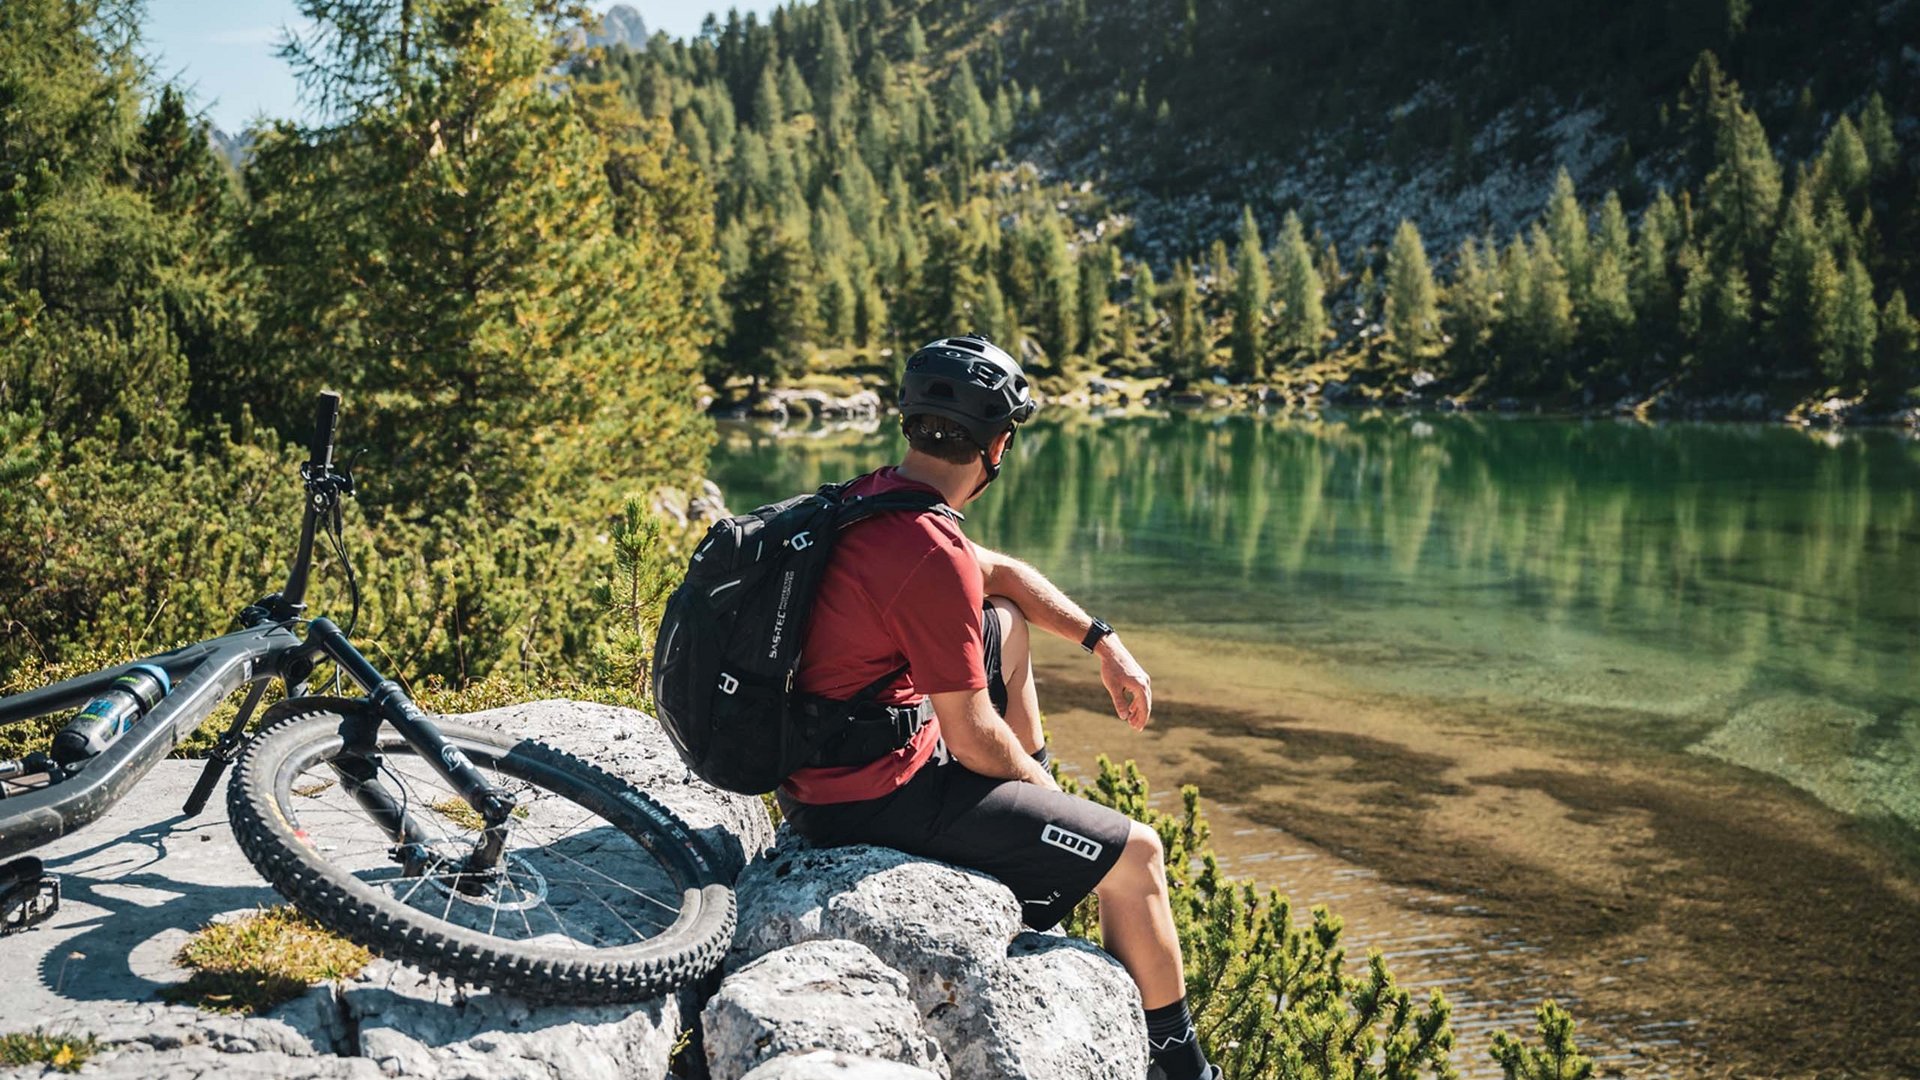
[[501, 862]]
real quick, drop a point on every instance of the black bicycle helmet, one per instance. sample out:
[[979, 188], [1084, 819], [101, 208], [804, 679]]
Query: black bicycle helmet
[[970, 380]]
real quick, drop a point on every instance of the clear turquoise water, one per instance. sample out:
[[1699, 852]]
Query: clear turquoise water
[[1745, 592]]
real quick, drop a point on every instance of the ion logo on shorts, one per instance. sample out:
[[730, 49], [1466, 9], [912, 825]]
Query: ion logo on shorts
[[1070, 841]]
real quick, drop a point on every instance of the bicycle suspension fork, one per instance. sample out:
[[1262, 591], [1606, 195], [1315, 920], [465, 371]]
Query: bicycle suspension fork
[[359, 768]]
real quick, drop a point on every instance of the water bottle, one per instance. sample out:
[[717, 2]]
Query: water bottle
[[111, 715]]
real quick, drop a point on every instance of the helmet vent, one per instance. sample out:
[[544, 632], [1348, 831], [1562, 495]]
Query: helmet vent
[[940, 390]]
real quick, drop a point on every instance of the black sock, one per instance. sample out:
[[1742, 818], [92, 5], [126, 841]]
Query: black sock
[[1173, 1044], [1043, 756]]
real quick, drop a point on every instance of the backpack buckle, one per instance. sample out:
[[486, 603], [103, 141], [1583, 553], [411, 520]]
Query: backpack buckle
[[801, 541], [728, 684]]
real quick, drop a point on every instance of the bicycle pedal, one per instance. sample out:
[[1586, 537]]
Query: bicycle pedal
[[29, 895]]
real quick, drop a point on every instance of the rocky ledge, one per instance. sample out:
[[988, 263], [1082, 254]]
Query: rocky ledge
[[851, 963]]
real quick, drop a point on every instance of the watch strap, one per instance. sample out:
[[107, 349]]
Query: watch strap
[[1098, 630]]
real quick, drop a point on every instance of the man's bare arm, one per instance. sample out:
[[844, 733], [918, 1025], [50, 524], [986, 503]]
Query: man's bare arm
[[1046, 607], [979, 739]]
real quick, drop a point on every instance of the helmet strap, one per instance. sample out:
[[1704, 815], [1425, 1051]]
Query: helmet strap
[[992, 466]]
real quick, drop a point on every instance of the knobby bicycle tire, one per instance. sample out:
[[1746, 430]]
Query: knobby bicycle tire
[[683, 952]]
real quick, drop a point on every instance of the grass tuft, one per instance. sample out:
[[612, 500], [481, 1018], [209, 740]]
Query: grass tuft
[[458, 812], [64, 1053], [255, 962]]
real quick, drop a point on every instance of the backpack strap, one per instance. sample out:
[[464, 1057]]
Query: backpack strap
[[861, 507]]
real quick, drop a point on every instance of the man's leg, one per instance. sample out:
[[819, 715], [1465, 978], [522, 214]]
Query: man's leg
[[1136, 925], [1136, 916], [1136, 919], [1016, 669]]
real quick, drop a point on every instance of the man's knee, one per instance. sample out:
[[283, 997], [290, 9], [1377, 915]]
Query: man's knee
[[1013, 629], [1142, 865]]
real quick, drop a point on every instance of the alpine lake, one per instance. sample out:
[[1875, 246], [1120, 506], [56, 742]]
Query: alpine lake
[[1619, 714]]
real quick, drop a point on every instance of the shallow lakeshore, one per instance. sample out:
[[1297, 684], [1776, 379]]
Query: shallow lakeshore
[[1690, 918], [1624, 714]]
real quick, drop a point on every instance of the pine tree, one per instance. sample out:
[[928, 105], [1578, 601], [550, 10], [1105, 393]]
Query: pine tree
[[1473, 305], [1896, 364], [1650, 278], [1716, 313], [1876, 133], [916, 40], [871, 325], [1857, 325], [773, 314], [995, 320], [1548, 316], [1187, 344], [1250, 286], [1302, 322], [1567, 228], [1059, 288], [1095, 283], [1145, 294], [1219, 270], [768, 107], [1515, 355], [1795, 315], [794, 95], [1844, 163], [506, 296], [833, 78], [1413, 317], [838, 316], [968, 116], [1742, 193]]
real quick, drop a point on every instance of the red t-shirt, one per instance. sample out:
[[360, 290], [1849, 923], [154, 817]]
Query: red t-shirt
[[902, 588]]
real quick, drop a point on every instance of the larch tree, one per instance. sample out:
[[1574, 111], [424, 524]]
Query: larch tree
[[1413, 316], [1567, 228], [1249, 301], [462, 240], [1301, 324]]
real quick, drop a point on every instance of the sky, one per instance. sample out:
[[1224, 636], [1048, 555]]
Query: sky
[[221, 51]]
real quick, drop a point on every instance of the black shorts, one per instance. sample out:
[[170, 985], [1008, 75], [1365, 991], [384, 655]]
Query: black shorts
[[1049, 847], [990, 658]]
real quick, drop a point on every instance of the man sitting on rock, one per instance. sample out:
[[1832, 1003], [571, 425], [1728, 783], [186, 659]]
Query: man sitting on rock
[[923, 635]]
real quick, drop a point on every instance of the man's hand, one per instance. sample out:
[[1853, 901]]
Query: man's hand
[[1126, 681], [980, 739]]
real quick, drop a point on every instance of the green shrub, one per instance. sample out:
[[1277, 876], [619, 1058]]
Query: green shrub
[[63, 1053], [1557, 1059], [1271, 998]]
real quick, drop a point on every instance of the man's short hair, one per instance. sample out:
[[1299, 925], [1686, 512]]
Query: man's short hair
[[941, 437]]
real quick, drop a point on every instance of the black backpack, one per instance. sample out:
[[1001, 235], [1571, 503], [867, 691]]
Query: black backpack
[[725, 655]]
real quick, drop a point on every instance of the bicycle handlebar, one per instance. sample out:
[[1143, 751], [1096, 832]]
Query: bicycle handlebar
[[326, 420]]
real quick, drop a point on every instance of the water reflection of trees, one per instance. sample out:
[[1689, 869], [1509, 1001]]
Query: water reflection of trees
[[1758, 543]]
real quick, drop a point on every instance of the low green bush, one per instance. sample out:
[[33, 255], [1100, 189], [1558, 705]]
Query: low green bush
[[62, 1053], [1270, 997]]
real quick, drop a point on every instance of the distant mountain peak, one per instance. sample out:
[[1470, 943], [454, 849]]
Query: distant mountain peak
[[621, 25]]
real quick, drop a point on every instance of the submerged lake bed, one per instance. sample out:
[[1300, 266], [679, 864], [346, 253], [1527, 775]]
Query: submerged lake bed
[[1631, 710]]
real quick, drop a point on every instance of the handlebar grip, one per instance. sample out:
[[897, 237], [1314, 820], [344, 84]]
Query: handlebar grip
[[326, 418]]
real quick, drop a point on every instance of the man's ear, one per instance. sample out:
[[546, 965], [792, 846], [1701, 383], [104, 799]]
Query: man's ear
[[998, 447]]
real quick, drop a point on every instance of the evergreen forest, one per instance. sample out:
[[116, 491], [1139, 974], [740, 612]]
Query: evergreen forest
[[1087, 182], [533, 268]]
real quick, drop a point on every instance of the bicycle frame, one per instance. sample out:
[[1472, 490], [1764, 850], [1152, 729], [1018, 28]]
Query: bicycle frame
[[205, 673]]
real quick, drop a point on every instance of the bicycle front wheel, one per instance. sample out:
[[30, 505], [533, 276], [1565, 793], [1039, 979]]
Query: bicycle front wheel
[[601, 893]]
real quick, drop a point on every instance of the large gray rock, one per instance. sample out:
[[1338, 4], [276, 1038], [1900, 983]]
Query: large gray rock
[[140, 880], [633, 746], [1041, 1005], [833, 1065], [832, 995]]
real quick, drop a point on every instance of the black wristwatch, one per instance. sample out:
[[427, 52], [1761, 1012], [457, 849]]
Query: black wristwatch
[[1098, 630]]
